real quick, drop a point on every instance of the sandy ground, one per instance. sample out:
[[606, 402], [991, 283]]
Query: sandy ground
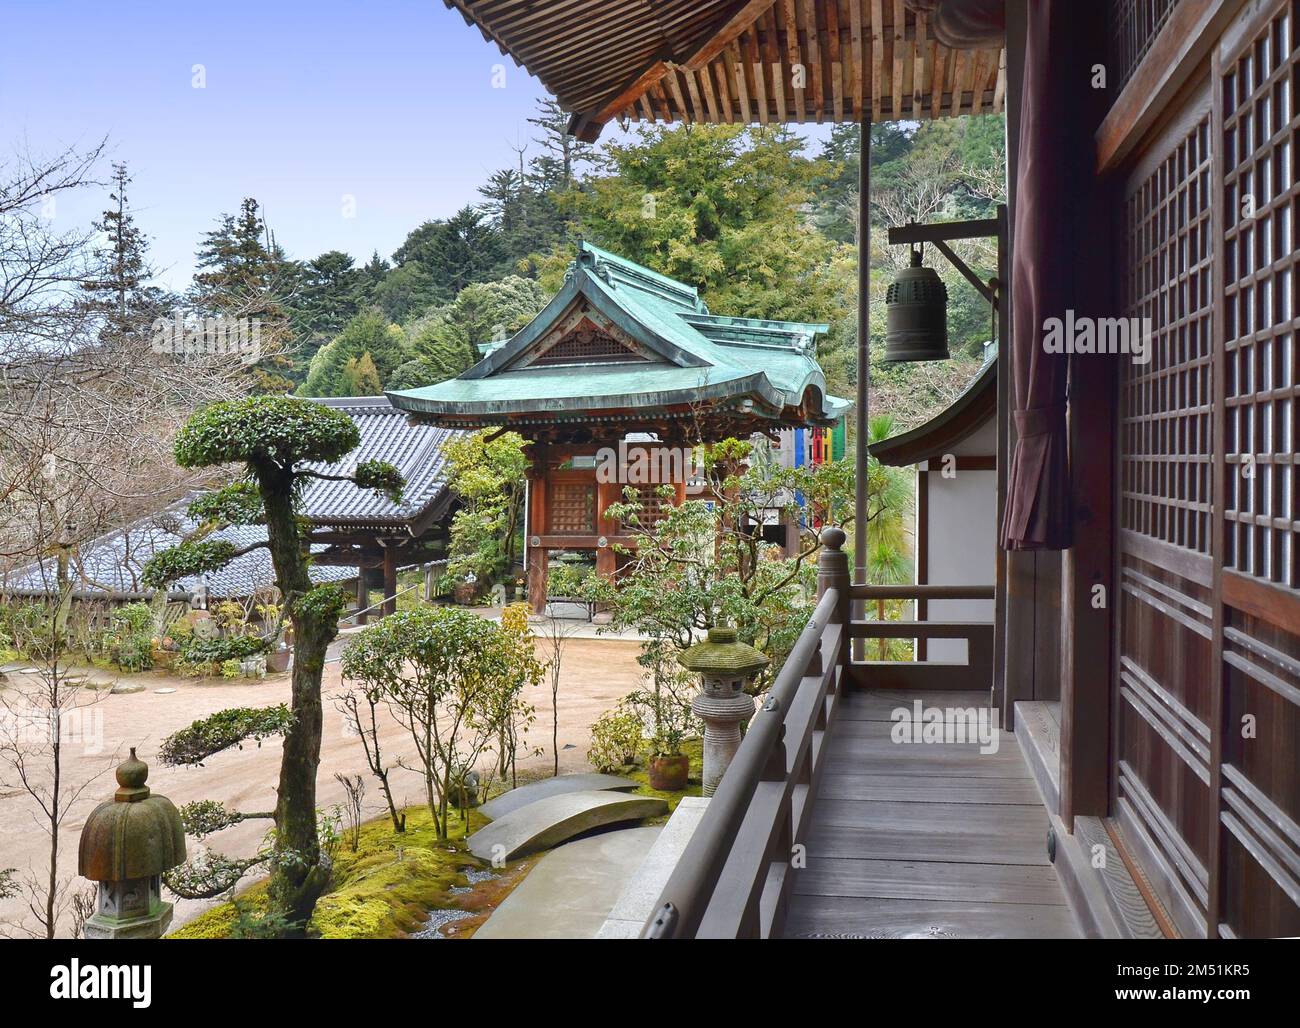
[[596, 674]]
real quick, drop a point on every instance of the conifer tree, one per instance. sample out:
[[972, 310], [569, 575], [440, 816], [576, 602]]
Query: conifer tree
[[117, 291]]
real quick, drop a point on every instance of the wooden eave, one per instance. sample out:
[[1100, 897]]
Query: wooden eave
[[734, 61]]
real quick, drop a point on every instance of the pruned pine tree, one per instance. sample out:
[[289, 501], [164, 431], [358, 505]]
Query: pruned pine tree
[[279, 442]]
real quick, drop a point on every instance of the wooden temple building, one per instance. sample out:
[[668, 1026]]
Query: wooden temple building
[[1146, 583], [613, 384]]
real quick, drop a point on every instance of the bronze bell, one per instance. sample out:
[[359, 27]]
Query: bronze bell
[[916, 315]]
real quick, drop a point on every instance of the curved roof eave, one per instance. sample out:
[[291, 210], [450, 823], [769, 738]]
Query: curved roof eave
[[940, 434]]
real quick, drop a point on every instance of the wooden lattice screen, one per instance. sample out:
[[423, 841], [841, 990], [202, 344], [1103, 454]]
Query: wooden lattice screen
[[1134, 25], [587, 344], [653, 508], [1259, 788], [1261, 159], [1166, 412], [572, 508], [1205, 782]]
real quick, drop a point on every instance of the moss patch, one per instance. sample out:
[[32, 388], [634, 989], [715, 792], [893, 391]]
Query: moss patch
[[219, 922], [386, 889]]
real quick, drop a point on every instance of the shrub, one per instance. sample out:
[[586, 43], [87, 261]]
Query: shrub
[[568, 580], [128, 641], [615, 740], [218, 651], [132, 653]]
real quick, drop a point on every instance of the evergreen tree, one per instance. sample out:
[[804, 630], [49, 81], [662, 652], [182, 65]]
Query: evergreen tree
[[361, 377], [370, 333], [118, 290], [464, 249], [244, 273], [564, 157], [329, 294], [718, 206]]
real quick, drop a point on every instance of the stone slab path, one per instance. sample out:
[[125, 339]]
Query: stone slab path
[[568, 895]]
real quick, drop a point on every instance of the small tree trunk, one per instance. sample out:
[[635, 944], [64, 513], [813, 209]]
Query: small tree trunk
[[298, 877]]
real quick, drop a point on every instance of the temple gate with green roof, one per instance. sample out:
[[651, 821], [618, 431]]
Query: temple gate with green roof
[[622, 351]]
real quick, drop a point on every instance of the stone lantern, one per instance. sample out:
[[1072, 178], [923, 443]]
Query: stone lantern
[[126, 845], [725, 667]]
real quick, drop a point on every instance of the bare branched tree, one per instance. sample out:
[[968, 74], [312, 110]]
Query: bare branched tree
[[88, 405], [44, 714]]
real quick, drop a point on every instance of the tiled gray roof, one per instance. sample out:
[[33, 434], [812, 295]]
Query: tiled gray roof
[[417, 450], [115, 561]]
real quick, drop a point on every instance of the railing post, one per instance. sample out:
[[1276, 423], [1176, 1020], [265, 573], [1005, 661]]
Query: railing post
[[833, 569], [833, 573]]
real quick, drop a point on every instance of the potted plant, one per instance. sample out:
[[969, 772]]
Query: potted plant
[[277, 660], [669, 768], [665, 709]]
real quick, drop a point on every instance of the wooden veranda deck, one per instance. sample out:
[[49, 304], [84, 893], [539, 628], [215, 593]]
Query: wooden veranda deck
[[924, 840]]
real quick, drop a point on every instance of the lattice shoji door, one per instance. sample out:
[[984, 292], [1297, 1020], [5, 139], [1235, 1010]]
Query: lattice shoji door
[[1258, 657], [1262, 213], [1166, 404], [1163, 709]]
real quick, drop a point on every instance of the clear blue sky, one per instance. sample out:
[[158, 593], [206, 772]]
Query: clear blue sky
[[306, 101]]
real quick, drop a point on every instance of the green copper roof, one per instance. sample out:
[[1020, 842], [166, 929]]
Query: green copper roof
[[687, 356]]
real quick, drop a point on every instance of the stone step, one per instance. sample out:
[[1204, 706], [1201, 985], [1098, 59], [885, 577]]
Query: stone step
[[534, 791], [550, 821], [637, 901], [570, 890]]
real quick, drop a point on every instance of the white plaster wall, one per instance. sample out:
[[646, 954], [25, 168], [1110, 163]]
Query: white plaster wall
[[963, 550]]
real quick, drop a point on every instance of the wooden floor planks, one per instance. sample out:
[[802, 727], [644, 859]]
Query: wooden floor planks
[[924, 840]]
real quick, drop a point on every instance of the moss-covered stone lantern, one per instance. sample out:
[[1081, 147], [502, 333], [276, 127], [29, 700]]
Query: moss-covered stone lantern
[[725, 667], [126, 845]]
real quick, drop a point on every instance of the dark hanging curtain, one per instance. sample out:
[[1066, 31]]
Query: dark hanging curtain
[[1037, 515]]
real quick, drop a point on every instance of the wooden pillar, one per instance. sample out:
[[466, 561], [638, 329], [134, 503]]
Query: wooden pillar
[[538, 556], [363, 595], [861, 453], [607, 493], [793, 538], [1013, 666], [1088, 594], [390, 581], [1090, 590]]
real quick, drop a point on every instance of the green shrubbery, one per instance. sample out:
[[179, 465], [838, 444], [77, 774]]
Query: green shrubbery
[[615, 740], [218, 651], [128, 641]]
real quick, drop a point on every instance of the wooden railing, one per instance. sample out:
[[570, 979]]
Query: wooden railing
[[975, 674], [732, 879]]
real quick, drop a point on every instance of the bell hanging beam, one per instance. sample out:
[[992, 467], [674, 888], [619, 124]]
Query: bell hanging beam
[[917, 301]]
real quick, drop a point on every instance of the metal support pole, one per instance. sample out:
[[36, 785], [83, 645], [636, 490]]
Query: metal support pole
[[861, 495]]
